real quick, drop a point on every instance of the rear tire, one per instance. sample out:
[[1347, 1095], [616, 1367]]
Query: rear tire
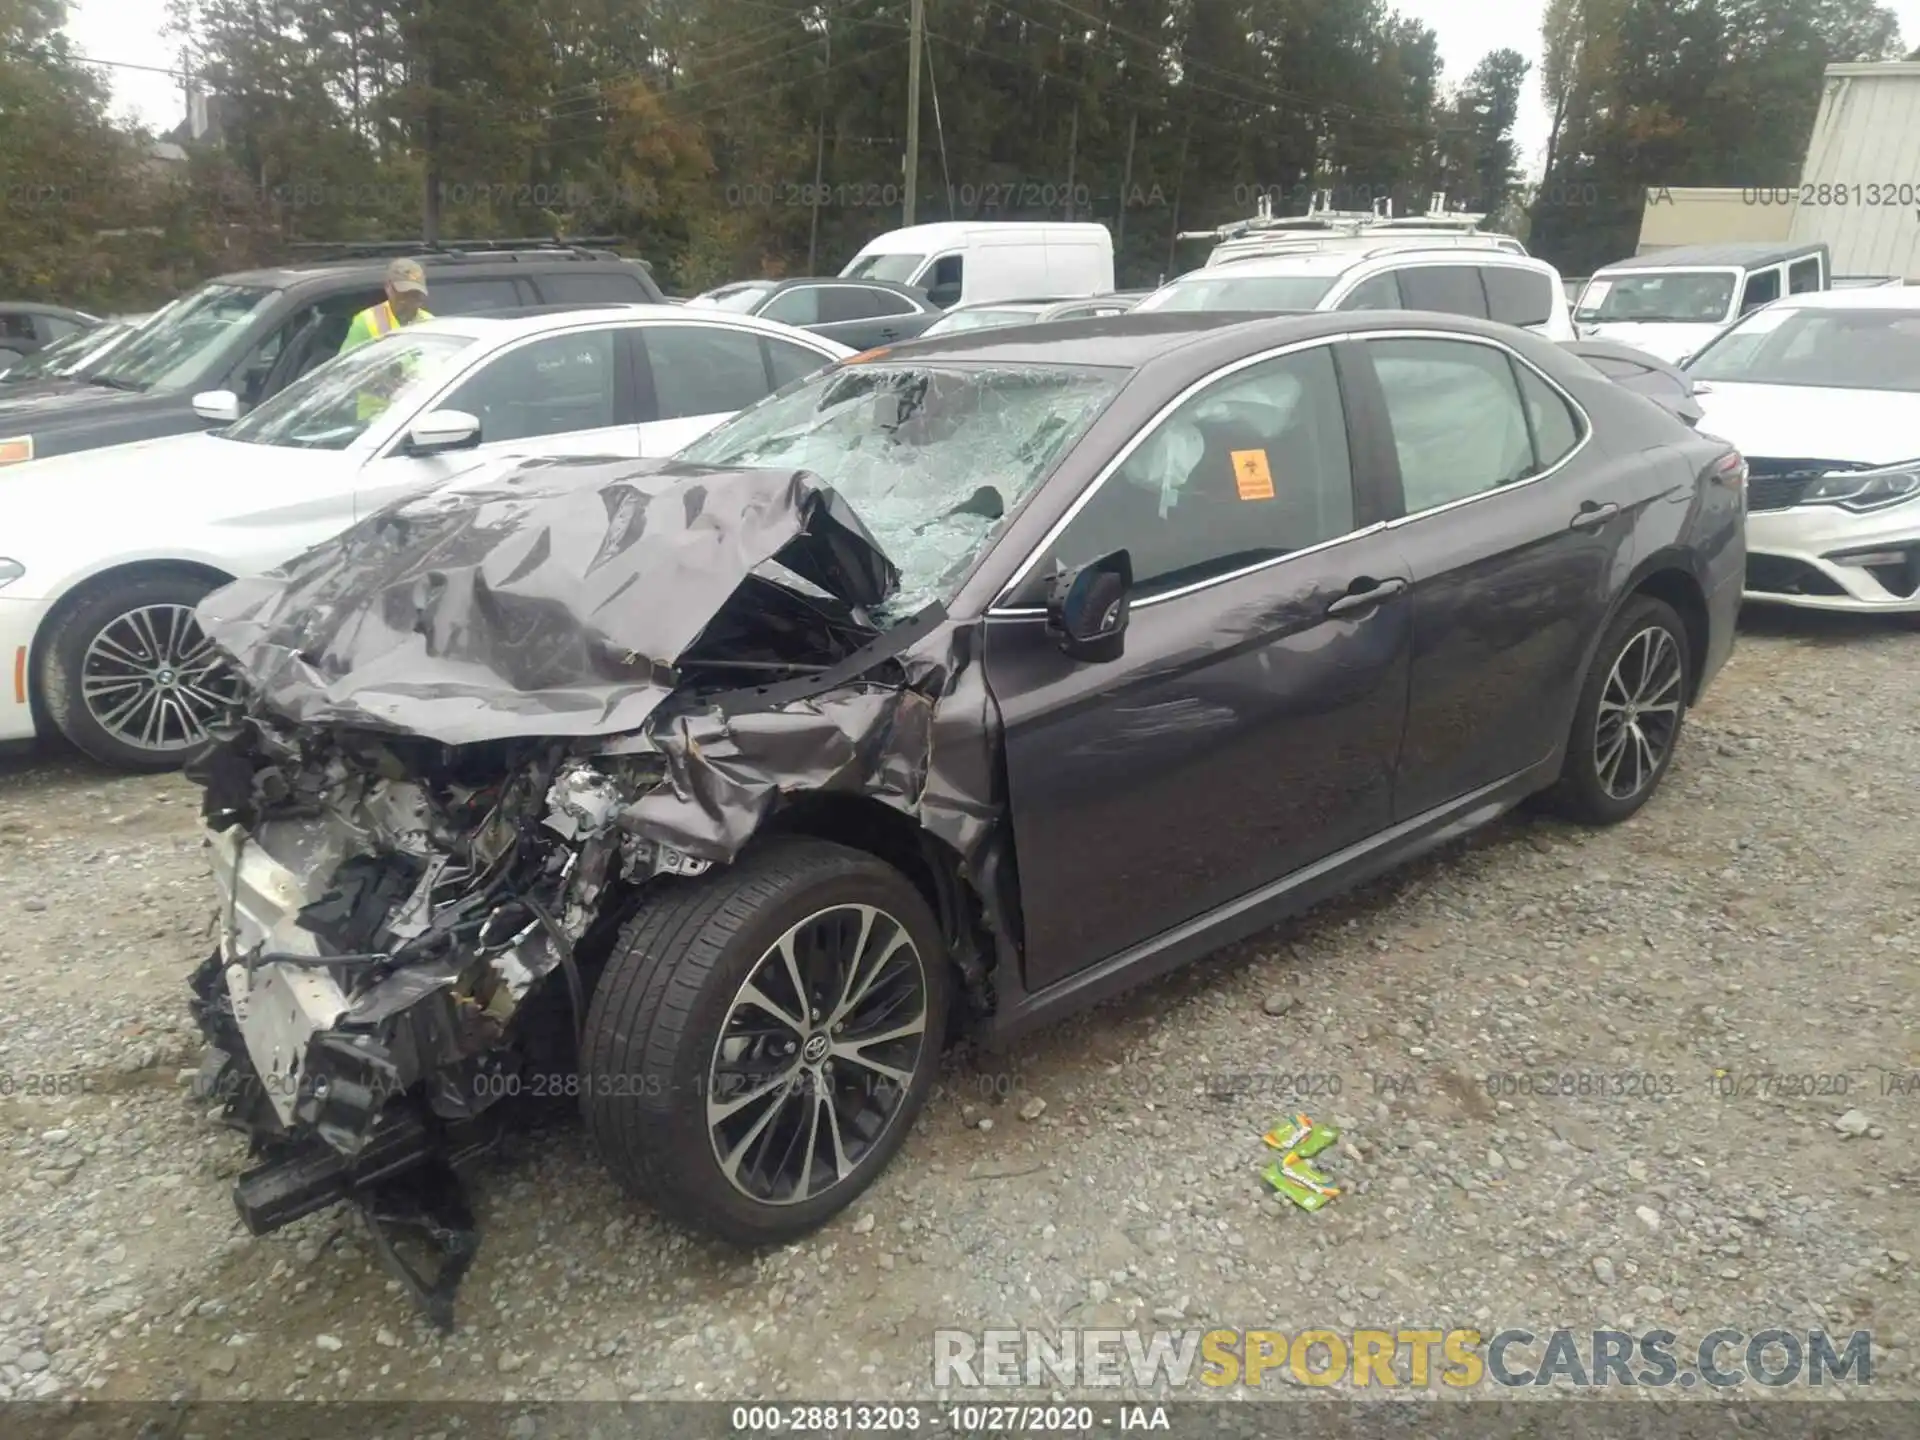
[[1629, 718], [726, 1118], [128, 676]]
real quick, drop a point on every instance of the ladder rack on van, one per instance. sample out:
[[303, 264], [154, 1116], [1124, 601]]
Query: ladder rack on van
[[1321, 219]]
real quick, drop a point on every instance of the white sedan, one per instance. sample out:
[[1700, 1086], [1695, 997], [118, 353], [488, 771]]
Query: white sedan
[[105, 553], [1821, 393]]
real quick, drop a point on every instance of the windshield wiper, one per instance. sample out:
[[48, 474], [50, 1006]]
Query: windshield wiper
[[114, 382]]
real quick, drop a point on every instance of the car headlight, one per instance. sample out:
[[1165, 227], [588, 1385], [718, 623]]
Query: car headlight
[[16, 450], [10, 571], [1865, 489]]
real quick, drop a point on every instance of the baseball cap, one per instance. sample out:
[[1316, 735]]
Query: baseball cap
[[406, 275]]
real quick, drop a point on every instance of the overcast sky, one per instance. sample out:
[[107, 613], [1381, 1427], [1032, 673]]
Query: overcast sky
[[129, 31]]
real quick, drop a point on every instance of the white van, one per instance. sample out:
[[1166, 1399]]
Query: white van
[[963, 262]]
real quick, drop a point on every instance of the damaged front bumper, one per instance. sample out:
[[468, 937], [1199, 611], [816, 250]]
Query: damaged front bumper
[[367, 1004]]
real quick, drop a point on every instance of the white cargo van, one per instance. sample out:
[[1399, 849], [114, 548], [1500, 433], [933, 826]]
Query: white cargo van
[[963, 262]]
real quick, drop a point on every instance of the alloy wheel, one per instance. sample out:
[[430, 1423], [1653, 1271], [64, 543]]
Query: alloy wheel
[[150, 678], [1639, 713], [817, 1053]]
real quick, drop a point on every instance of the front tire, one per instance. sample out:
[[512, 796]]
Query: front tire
[[762, 1039], [1627, 724], [130, 679]]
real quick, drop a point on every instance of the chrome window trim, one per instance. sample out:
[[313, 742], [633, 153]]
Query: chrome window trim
[[1000, 610]]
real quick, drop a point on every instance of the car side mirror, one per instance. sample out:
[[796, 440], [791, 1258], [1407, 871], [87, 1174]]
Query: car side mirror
[[1087, 608], [220, 406], [944, 295], [441, 430]]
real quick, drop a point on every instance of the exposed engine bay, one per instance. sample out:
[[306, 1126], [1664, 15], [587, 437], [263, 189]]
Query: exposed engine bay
[[479, 732]]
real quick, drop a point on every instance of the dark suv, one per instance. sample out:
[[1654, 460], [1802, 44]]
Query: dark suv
[[253, 333]]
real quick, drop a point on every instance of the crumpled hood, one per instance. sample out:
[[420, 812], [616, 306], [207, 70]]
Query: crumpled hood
[[553, 601]]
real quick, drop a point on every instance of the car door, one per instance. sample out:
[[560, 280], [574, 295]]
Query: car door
[[1516, 539], [691, 376], [571, 393], [1252, 724]]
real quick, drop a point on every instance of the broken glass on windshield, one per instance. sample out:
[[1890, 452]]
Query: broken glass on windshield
[[931, 457]]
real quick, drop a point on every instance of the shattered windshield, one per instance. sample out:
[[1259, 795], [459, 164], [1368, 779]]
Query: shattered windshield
[[931, 457]]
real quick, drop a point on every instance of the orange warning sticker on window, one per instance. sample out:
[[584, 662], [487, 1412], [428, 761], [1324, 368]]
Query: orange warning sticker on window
[[1251, 474]]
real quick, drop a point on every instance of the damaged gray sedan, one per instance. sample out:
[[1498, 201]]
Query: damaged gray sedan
[[949, 690]]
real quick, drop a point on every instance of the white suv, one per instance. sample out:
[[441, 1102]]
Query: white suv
[[1486, 283]]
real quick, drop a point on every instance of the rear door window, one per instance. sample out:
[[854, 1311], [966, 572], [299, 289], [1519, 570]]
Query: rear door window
[[1459, 425], [594, 287], [1803, 275], [787, 362], [552, 386], [1517, 296], [704, 369], [1449, 289], [1763, 288], [800, 305], [473, 296]]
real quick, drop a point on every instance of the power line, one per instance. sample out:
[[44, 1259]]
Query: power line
[[89, 60]]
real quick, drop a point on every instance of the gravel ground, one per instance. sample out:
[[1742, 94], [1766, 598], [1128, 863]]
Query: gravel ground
[[1761, 918]]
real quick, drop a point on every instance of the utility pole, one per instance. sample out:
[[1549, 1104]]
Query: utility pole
[[819, 147], [1073, 152], [918, 26], [1126, 183]]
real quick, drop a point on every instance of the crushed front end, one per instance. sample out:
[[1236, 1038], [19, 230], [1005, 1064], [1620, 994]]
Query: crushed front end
[[480, 725], [399, 949]]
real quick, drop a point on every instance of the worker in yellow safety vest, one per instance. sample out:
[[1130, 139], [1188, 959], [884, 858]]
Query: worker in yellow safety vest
[[405, 303]]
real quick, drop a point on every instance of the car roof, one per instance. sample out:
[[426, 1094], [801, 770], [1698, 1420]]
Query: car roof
[[946, 232], [36, 307], [478, 263], [515, 324], [1686, 257], [1132, 340], [1338, 262]]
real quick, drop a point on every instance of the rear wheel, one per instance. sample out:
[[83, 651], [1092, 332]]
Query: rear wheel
[[1629, 717], [762, 1039], [130, 679]]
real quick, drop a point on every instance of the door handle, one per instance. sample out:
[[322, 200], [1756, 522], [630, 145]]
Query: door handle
[[1592, 516], [889, 333], [1354, 601]]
